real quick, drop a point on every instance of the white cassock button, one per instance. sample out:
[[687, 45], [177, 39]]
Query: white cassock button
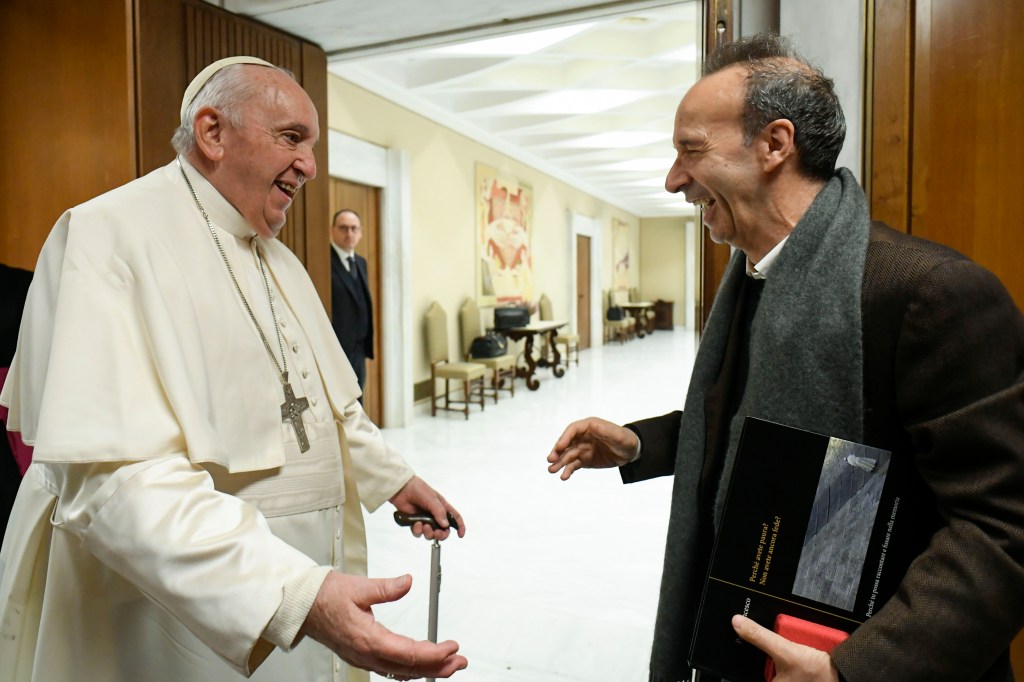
[[313, 401], [284, 323], [305, 374], [295, 348]]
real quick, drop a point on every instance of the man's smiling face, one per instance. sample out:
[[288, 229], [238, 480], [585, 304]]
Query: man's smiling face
[[714, 168]]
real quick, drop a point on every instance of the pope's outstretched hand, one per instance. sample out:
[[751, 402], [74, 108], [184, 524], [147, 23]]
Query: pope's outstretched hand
[[342, 619]]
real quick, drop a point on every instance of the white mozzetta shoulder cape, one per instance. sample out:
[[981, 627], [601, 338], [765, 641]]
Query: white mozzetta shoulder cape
[[135, 324]]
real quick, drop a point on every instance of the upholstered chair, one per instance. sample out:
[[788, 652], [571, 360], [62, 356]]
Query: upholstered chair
[[619, 330], [501, 368], [470, 374]]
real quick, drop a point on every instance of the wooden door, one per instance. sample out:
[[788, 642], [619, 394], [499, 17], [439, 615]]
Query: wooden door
[[365, 201], [583, 290]]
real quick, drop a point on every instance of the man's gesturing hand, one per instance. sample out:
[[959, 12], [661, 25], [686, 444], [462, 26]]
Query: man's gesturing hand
[[342, 619], [592, 443]]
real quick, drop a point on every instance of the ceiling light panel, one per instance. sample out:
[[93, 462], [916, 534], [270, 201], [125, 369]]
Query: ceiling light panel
[[520, 44], [595, 103]]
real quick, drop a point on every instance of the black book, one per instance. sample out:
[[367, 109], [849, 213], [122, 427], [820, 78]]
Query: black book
[[814, 527]]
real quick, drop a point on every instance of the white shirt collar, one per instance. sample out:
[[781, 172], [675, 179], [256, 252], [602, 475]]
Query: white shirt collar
[[763, 266], [221, 212], [342, 253]]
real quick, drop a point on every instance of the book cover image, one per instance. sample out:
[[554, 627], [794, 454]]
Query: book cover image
[[812, 528]]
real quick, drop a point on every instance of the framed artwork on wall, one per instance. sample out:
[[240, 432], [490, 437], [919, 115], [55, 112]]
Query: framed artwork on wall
[[620, 254], [504, 232]]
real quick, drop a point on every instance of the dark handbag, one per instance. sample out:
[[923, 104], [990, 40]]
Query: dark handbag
[[511, 316], [616, 313], [490, 345]]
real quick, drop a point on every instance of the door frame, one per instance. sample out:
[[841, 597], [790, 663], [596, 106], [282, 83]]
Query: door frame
[[360, 161]]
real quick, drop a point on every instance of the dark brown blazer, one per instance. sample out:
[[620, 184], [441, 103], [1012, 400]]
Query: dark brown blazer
[[943, 383]]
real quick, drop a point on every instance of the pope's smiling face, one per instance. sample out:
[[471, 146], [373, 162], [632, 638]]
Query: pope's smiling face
[[714, 167], [269, 155]]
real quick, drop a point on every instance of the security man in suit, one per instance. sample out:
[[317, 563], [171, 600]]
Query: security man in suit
[[352, 307]]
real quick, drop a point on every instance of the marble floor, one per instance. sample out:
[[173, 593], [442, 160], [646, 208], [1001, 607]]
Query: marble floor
[[555, 581]]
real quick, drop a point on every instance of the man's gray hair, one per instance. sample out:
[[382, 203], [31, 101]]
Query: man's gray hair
[[782, 84], [227, 91]]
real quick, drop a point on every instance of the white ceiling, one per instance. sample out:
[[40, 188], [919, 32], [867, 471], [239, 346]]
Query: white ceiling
[[591, 101]]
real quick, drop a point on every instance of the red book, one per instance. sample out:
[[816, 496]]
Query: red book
[[803, 632]]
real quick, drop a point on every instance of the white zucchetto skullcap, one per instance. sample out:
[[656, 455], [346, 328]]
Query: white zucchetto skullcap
[[206, 74]]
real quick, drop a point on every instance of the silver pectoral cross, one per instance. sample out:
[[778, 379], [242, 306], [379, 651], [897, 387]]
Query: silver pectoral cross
[[291, 411]]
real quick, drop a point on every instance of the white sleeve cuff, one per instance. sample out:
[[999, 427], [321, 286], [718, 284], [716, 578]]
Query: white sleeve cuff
[[299, 595]]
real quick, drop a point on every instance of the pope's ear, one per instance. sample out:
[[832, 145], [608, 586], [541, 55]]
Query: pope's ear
[[779, 135], [209, 126]]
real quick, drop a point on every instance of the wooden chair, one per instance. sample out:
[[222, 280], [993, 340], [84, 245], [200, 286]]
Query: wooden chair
[[569, 340], [502, 367], [470, 374]]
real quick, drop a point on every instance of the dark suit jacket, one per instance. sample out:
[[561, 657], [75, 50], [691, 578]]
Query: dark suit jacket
[[352, 308], [943, 383]]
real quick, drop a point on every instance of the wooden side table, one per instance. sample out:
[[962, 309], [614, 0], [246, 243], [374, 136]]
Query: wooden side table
[[663, 314]]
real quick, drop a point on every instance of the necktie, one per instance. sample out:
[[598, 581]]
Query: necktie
[[352, 267]]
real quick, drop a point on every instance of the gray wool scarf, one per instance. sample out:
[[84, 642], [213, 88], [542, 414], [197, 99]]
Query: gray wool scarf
[[806, 370]]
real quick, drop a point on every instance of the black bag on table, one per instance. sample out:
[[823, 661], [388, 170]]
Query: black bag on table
[[490, 345], [511, 316]]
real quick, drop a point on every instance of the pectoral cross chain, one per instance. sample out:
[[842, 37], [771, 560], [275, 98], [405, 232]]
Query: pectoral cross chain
[[292, 407], [291, 411]]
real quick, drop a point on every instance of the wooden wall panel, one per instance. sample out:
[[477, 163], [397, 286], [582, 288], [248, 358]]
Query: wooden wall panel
[[161, 78], [68, 113], [96, 104], [317, 193], [948, 91], [967, 176], [891, 78]]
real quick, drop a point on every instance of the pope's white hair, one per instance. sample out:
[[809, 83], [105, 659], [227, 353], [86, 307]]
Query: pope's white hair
[[227, 91]]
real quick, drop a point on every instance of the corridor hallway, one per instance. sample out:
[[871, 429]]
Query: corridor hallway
[[555, 581]]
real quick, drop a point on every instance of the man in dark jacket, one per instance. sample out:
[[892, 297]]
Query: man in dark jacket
[[828, 322], [352, 307]]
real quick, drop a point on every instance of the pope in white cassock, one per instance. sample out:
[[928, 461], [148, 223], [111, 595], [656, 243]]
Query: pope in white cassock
[[200, 452]]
